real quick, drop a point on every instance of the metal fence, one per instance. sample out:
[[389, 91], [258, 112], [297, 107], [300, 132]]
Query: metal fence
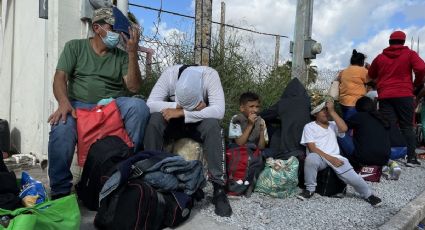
[[252, 52]]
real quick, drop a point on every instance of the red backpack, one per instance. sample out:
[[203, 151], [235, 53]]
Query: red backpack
[[243, 168]]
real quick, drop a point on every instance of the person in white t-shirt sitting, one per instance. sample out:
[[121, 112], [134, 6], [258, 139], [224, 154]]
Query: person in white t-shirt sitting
[[320, 138]]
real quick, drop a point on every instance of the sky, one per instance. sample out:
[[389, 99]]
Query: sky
[[339, 25]]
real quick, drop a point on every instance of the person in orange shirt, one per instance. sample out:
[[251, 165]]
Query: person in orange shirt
[[352, 84]]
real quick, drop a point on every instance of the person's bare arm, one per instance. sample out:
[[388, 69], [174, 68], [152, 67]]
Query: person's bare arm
[[342, 127], [60, 91], [172, 113], [133, 79], [333, 160], [262, 140], [245, 134]]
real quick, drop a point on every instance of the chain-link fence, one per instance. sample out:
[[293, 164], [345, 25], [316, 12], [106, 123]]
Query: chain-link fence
[[245, 63], [176, 46]]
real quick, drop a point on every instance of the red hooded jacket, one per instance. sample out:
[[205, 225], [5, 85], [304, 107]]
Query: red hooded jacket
[[392, 71]]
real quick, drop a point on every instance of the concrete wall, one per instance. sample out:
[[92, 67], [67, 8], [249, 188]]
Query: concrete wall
[[31, 47]]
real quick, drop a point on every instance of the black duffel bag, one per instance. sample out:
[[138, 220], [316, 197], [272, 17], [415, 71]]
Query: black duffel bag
[[136, 205]]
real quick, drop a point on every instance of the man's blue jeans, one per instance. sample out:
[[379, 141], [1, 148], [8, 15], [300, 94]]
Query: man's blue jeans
[[63, 138]]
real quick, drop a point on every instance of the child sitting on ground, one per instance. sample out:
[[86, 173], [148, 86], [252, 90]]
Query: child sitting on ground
[[320, 138], [247, 128], [370, 144]]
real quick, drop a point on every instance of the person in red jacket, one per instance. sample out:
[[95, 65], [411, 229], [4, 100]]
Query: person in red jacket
[[392, 72]]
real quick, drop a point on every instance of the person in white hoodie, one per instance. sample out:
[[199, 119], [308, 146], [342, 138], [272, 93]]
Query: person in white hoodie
[[188, 101]]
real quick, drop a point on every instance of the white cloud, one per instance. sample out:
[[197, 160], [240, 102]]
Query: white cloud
[[340, 25]]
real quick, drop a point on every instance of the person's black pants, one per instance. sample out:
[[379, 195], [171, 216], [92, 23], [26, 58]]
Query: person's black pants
[[401, 111], [207, 131]]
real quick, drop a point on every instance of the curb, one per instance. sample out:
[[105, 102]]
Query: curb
[[409, 216]]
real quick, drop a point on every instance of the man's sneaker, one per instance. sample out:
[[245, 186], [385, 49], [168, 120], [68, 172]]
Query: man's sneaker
[[374, 201], [221, 202], [386, 168], [305, 194], [412, 162], [395, 171]]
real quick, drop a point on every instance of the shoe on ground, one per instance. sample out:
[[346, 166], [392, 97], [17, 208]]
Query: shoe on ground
[[394, 171], [305, 195], [59, 195], [412, 162], [374, 201], [221, 202], [395, 174], [385, 168], [339, 195]]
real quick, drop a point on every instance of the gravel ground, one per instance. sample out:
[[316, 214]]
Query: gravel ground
[[350, 212], [263, 212]]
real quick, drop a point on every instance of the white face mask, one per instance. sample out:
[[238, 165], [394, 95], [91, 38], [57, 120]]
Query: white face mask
[[111, 39]]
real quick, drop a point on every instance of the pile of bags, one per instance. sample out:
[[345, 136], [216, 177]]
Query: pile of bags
[[24, 204]]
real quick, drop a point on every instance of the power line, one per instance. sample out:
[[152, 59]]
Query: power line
[[192, 17]]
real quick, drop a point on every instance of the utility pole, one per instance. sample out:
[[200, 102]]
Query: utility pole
[[303, 47], [276, 52], [203, 14], [222, 30]]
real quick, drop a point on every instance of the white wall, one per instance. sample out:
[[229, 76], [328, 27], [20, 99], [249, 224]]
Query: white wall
[[31, 49]]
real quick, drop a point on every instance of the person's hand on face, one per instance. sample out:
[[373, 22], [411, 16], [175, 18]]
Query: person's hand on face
[[330, 106], [252, 118]]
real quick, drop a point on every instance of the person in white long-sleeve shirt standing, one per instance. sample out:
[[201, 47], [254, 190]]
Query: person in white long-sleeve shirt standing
[[188, 101]]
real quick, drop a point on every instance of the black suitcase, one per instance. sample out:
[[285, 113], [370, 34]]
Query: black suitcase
[[328, 183], [4, 136]]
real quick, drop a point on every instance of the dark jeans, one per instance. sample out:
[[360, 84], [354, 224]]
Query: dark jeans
[[208, 132], [347, 112], [401, 110]]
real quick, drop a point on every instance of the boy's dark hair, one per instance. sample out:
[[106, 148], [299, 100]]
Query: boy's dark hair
[[357, 58], [396, 42], [247, 97], [366, 104]]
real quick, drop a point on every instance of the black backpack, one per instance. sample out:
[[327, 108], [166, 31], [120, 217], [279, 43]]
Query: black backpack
[[9, 191], [136, 205], [103, 159], [328, 183]]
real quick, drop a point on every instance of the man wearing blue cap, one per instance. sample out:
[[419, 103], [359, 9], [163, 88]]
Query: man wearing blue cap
[[188, 101], [88, 71]]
